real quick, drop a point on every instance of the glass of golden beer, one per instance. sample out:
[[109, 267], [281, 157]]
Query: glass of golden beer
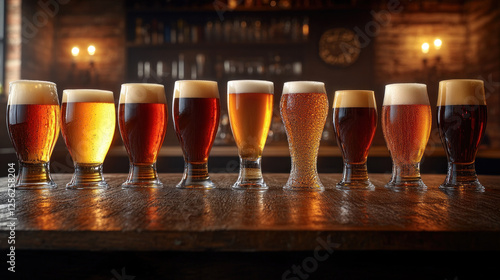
[[196, 112], [142, 118], [304, 108], [250, 106], [354, 122], [33, 119], [88, 126], [461, 118], [406, 123]]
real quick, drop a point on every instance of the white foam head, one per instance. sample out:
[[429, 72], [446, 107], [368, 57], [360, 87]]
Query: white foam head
[[142, 93], [406, 94], [461, 92], [196, 89], [304, 87], [87, 95], [32, 92], [250, 86], [354, 98]]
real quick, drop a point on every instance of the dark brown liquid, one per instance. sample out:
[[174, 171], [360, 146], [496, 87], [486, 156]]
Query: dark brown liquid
[[461, 128], [143, 127], [354, 129], [196, 121]]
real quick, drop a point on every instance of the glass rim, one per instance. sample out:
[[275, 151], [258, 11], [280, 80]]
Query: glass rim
[[303, 87], [32, 82], [244, 86]]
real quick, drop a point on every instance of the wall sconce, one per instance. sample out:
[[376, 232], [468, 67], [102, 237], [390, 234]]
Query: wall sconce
[[83, 75], [427, 51]]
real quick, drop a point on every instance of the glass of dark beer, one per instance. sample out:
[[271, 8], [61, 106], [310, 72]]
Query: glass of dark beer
[[196, 113], [33, 120], [354, 122], [88, 126], [461, 118], [304, 108], [406, 123], [142, 118]]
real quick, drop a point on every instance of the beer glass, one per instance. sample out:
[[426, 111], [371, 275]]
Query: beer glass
[[33, 120], [304, 108], [250, 106], [196, 113], [406, 123], [354, 122], [88, 126], [142, 119], [461, 118]]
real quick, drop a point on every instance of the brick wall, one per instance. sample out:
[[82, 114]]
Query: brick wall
[[13, 40], [82, 23]]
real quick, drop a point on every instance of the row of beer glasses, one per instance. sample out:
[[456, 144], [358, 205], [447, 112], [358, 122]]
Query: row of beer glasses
[[88, 121]]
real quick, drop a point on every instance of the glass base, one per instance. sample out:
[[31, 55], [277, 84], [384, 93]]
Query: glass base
[[142, 176], [363, 185], [417, 185], [250, 177], [87, 176], [34, 176], [293, 186], [355, 177], [195, 177], [462, 176]]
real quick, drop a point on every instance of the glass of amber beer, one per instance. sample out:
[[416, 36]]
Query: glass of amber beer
[[406, 123], [461, 118], [33, 119], [196, 113], [354, 122], [250, 106], [88, 126], [142, 118], [304, 108]]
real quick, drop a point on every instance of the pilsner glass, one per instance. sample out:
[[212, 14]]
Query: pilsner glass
[[304, 108], [88, 126], [250, 106], [461, 118], [142, 118], [354, 122], [196, 113], [406, 123], [33, 120]]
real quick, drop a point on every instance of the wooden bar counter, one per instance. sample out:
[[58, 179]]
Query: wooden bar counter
[[275, 220], [210, 230]]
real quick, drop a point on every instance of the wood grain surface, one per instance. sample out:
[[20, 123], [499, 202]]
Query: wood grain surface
[[223, 219]]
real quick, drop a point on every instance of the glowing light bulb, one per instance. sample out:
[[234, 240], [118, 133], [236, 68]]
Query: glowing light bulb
[[425, 47], [438, 43], [91, 50], [75, 51]]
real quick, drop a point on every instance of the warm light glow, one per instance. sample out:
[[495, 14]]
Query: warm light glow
[[425, 47], [438, 43], [91, 50], [75, 51]]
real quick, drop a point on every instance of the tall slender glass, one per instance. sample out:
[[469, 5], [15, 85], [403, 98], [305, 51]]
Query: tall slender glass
[[142, 118], [354, 121], [461, 118], [406, 123], [196, 112], [304, 108], [33, 120], [250, 106], [88, 126]]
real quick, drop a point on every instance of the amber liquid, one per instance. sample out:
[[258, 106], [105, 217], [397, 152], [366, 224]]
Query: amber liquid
[[142, 127], [33, 130], [354, 129], [196, 121], [250, 115]]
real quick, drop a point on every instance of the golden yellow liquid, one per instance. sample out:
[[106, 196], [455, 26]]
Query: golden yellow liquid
[[250, 115], [88, 129], [304, 116]]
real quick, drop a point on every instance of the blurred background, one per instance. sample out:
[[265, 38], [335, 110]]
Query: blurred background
[[348, 44]]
